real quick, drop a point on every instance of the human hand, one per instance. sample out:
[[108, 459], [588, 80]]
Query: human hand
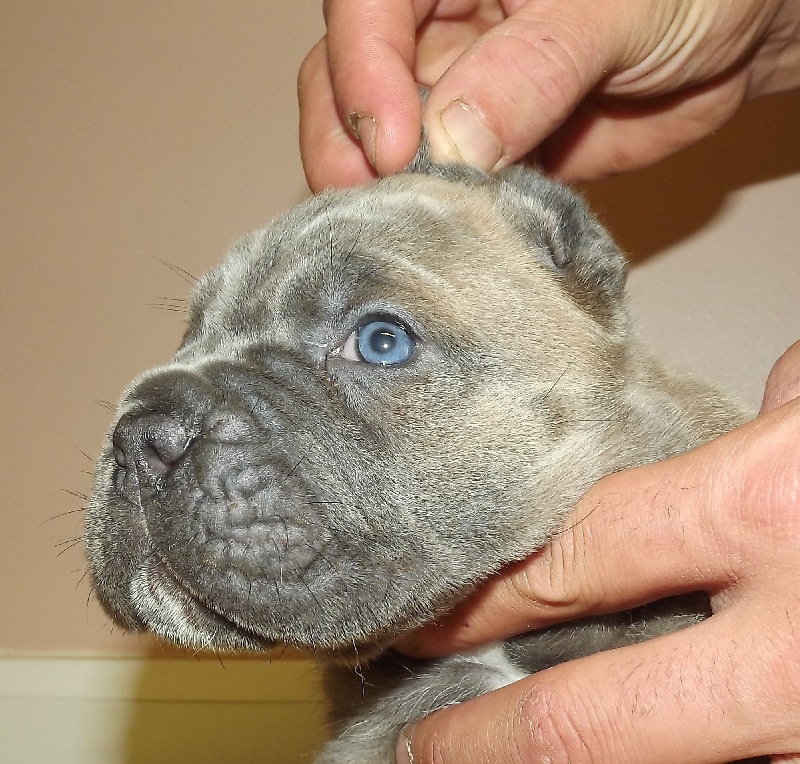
[[724, 518], [599, 86]]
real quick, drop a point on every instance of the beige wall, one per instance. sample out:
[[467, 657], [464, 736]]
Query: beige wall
[[139, 132]]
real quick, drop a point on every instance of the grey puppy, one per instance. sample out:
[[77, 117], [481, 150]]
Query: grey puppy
[[380, 400]]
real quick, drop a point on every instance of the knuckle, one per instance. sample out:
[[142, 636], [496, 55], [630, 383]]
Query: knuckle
[[568, 581], [558, 57], [557, 725], [759, 509]]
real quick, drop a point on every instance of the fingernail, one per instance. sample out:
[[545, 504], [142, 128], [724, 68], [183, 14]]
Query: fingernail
[[402, 753], [365, 126], [470, 139]]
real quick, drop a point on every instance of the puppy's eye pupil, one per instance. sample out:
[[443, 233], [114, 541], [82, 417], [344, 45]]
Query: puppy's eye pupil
[[382, 342], [385, 343]]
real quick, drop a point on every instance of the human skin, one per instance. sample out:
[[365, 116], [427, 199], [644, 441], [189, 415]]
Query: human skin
[[725, 519], [595, 86]]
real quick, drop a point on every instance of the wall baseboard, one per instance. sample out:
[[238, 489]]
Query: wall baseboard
[[89, 710]]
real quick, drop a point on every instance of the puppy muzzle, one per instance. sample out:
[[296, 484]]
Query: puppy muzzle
[[216, 511]]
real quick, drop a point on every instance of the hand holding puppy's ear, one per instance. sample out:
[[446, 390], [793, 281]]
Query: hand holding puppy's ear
[[598, 87]]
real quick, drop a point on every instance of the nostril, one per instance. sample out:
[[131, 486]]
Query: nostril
[[162, 455], [120, 458], [151, 444], [158, 466], [164, 441]]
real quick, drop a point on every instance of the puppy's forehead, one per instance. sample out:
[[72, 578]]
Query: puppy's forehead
[[339, 243], [407, 221]]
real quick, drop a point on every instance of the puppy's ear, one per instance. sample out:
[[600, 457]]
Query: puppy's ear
[[555, 220], [423, 164], [568, 237]]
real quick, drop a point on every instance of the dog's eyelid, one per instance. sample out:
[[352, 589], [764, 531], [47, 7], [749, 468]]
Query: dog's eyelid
[[378, 339], [394, 315]]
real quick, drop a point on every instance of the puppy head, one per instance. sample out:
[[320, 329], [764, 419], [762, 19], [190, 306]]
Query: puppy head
[[379, 400]]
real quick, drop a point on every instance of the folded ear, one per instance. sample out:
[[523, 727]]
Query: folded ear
[[422, 159], [559, 225], [422, 163]]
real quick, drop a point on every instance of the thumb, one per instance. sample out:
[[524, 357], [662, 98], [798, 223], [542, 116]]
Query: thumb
[[783, 384], [518, 82]]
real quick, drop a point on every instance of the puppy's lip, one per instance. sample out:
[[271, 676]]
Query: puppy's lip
[[169, 608]]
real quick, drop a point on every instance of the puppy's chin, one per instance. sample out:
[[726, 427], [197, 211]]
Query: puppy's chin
[[170, 611], [163, 606]]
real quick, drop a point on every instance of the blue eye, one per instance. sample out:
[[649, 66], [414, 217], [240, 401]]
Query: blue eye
[[385, 343]]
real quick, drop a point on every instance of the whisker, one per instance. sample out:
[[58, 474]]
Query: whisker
[[300, 461], [359, 671], [330, 238], [61, 514], [578, 522], [313, 596], [76, 494], [70, 545], [168, 308], [553, 386], [178, 271], [70, 540], [284, 648]]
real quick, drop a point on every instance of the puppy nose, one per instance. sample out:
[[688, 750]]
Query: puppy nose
[[151, 444]]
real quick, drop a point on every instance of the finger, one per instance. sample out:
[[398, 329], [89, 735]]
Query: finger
[[620, 706], [332, 156], [448, 31], [521, 79], [668, 528], [371, 47], [783, 384]]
